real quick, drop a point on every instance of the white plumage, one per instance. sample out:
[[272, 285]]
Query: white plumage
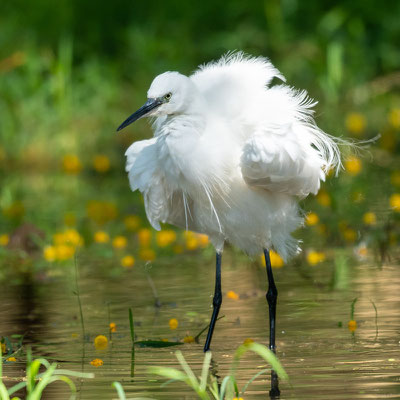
[[230, 156]]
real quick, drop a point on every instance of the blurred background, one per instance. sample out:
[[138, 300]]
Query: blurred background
[[69, 74], [71, 71]]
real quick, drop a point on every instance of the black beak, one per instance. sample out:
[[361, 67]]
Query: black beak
[[150, 104]]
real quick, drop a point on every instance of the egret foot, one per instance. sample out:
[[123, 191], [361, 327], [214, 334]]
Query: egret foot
[[272, 296], [217, 301]]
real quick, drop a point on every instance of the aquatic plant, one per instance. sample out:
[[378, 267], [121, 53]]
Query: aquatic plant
[[206, 386], [35, 383]]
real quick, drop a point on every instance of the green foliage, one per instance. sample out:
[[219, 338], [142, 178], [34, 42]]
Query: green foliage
[[36, 382], [206, 386]]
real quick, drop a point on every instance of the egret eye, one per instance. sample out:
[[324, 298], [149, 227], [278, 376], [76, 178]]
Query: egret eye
[[168, 96]]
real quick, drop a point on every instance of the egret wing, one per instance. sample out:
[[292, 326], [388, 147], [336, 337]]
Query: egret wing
[[278, 162], [144, 174]]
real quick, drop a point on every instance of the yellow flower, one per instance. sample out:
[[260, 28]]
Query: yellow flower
[[394, 201], [144, 237], [4, 239], [349, 234], [70, 219], [147, 254], [237, 398], [3, 348], [64, 252], [50, 253], [119, 242], [101, 163], [101, 211], [352, 325], [312, 219], [353, 165], [188, 339], [97, 362], [71, 164], [165, 238], [394, 118], [323, 198], [173, 323], [113, 327], [276, 259], [232, 295], [128, 261], [192, 242], [132, 222], [248, 341], [369, 218], [101, 237], [355, 123], [11, 359], [315, 257], [395, 178], [203, 240], [71, 236], [100, 342]]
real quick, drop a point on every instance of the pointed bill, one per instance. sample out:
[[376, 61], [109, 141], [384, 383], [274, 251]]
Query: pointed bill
[[150, 105]]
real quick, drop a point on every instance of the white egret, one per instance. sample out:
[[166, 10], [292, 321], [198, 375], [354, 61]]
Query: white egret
[[230, 157]]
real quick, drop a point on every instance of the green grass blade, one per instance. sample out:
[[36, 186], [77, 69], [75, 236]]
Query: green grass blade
[[224, 385], [170, 373], [263, 352], [45, 380], [131, 326], [352, 308], [263, 371], [67, 372], [16, 387], [191, 376], [120, 390], [3, 391], [205, 370]]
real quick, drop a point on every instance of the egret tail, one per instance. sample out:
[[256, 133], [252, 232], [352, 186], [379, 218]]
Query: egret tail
[[217, 301], [272, 296]]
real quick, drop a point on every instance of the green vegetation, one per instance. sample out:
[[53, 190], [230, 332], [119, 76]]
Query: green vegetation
[[36, 382], [66, 85], [207, 387], [70, 74]]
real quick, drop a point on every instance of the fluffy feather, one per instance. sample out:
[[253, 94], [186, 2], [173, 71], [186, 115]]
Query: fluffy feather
[[230, 155]]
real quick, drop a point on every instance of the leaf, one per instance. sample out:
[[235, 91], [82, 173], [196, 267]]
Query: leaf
[[170, 373], [156, 343], [120, 390], [263, 352]]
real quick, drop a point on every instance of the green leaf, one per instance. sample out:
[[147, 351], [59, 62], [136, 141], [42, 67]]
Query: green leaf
[[170, 373], [263, 352], [120, 390]]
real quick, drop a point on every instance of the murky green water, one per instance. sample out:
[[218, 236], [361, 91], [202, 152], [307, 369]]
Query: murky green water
[[323, 360]]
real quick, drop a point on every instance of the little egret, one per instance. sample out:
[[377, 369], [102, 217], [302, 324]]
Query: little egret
[[230, 157]]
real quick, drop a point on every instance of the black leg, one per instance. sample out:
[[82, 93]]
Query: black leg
[[272, 296], [217, 301]]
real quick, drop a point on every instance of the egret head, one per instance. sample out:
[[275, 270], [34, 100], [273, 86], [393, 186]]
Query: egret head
[[169, 93]]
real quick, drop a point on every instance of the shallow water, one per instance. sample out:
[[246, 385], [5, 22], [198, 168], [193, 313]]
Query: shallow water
[[322, 359]]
